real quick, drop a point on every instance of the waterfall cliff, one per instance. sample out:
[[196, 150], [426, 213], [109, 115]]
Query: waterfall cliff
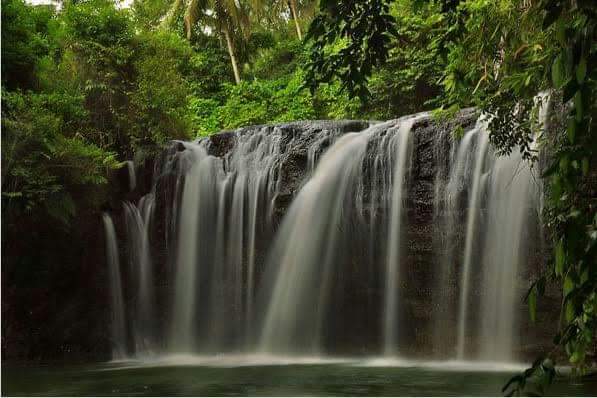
[[393, 238]]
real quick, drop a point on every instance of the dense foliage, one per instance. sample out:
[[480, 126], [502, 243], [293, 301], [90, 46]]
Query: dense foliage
[[90, 85], [571, 212], [498, 56], [119, 83]]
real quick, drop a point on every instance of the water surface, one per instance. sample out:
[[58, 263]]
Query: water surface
[[222, 376]]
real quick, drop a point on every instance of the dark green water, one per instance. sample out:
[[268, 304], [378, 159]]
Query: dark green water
[[315, 379]]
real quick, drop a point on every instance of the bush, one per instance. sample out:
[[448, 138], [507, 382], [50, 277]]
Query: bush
[[44, 159]]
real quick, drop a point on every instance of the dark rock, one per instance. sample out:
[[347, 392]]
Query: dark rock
[[69, 317]]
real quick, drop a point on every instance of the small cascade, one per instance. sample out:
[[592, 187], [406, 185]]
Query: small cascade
[[471, 234], [138, 221], [318, 229], [501, 196], [513, 198], [194, 201], [395, 243], [117, 325], [130, 165], [306, 247], [226, 210]]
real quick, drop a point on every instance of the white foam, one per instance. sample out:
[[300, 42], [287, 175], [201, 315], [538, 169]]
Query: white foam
[[235, 360], [446, 365], [225, 360]]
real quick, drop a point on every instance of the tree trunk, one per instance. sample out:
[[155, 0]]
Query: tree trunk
[[232, 56], [292, 4], [168, 21]]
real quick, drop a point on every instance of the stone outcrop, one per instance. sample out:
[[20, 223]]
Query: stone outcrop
[[86, 313]]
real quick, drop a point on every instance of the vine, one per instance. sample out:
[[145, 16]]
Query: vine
[[571, 211], [498, 57]]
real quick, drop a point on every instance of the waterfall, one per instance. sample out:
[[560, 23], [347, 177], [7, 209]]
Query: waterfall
[[513, 196], [117, 325], [226, 204], [138, 223], [195, 200], [471, 234], [316, 231], [450, 181], [130, 165], [305, 249], [503, 195], [317, 238], [395, 238]]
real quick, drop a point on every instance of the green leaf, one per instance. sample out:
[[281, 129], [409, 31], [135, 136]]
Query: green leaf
[[558, 71], [569, 311], [577, 357], [584, 277], [571, 130], [578, 105], [515, 379], [581, 70], [15, 194], [560, 30], [551, 169], [547, 364], [564, 162], [458, 133], [568, 285]]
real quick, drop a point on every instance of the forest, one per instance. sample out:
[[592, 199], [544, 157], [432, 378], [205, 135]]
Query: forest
[[90, 84]]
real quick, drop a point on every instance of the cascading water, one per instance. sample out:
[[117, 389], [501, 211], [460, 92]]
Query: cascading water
[[449, 182], [502, 196], [117, 326], [138, 221], [338, 270], [194, 201], [130, 165], [395, 242], [316, 231], [471, 231], [513, 197], [226, 202], [307, 243]]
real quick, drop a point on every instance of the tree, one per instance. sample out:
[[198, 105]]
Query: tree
[[295, 18], [282, 11], [48, 151], [541, 45], [348, 39], [23, 42], [227, 17]]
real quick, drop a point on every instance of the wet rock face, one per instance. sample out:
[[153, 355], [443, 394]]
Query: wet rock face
[[297, 142], [360, 268]]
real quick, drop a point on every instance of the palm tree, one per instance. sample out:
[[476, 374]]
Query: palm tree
[[278, 7], [294, 12], [230, 18], [227, 17], [170, 16]]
